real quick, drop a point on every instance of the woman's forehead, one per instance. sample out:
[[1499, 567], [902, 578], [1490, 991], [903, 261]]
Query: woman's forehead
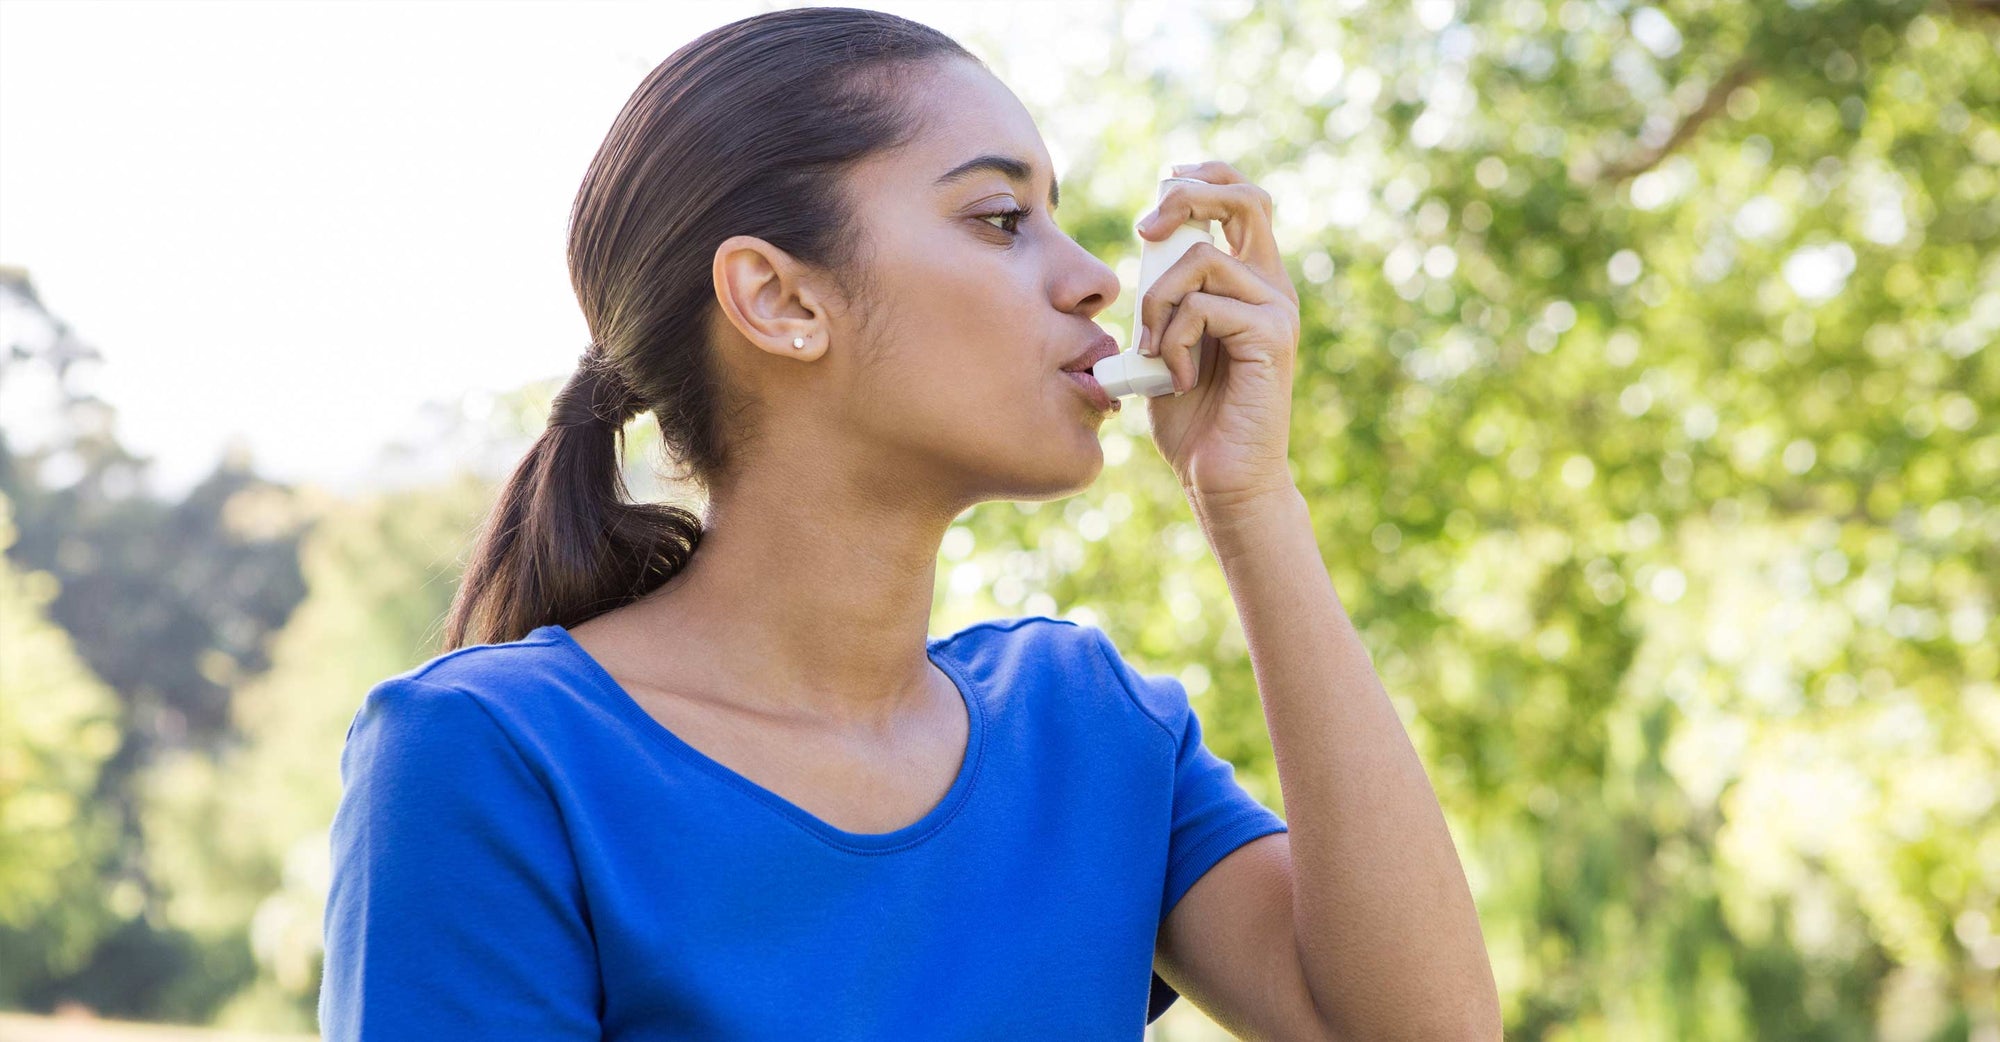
[[974, 127]]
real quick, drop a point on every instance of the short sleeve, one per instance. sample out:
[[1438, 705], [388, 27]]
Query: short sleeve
[[1212, 813], [455, 909]]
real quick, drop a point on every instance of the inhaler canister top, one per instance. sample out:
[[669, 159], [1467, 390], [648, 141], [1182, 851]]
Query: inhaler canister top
[[1128, 372]]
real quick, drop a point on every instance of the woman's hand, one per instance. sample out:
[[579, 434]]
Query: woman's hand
[[1227, 438]]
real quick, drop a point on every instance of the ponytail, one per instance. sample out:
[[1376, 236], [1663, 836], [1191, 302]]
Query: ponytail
[[563, 542]]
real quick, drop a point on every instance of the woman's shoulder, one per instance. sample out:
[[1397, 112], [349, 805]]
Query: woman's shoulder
[[1022, 644], [483, 668], [437, 778], [1062, 663], [519, 685]]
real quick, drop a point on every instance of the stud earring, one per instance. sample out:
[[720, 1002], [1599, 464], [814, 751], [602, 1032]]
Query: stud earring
[[799, 342]]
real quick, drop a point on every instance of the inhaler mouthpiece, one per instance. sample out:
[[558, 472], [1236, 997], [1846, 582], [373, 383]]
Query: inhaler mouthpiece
[[1128, 372]]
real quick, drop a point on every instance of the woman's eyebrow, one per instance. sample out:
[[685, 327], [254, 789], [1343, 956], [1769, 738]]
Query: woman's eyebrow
[[1009, 167]]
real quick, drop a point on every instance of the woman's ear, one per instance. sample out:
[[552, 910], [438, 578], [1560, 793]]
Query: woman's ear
[[765, 294]]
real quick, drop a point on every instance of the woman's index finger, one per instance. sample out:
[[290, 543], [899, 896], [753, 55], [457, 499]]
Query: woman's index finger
[[1245, 212]]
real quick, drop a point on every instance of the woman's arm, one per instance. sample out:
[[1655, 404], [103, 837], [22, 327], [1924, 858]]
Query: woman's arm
[[1370, 893], [1388, 938]]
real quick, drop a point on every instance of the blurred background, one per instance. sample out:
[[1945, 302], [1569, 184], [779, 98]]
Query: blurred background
[[1646, 406]]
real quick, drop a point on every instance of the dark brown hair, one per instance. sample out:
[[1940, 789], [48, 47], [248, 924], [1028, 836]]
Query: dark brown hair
[[750, 129]]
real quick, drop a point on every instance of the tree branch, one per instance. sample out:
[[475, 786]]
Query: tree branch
[[1711, 103]]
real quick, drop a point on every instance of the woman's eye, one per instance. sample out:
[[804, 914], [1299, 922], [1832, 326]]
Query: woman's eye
[[1016, 216]]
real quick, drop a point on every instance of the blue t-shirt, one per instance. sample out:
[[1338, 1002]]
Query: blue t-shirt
[[521, 851]]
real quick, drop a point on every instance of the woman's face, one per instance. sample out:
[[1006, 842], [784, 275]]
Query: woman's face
[[973, 311]]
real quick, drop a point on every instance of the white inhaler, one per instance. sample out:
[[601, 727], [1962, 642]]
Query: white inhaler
[[1129, 372]]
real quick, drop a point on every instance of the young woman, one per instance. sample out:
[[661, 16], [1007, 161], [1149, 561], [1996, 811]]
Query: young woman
[[661, 793]]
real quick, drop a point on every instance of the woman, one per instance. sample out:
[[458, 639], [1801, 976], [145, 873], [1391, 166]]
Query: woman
[[656, 793]]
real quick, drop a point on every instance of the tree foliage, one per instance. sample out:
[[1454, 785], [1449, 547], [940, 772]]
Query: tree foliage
[[58, 724]]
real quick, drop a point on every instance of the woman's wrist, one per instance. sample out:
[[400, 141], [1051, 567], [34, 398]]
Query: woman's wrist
[[1241, 521]]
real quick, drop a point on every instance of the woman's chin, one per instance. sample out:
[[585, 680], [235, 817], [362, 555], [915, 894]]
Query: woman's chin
[[1088, 466], [1061, 475]]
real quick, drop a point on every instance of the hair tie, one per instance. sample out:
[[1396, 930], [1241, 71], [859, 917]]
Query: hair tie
[[596, 393]]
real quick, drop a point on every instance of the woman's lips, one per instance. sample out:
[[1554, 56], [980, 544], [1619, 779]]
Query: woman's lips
[[1092, 389]]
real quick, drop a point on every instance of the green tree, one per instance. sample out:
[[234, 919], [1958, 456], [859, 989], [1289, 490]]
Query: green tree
[[58, 725], [239, 838], [169, 604]]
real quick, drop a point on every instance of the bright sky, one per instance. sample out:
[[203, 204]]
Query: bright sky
[[299, 221]]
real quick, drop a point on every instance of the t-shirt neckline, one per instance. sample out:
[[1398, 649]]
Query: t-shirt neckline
[[909, 835]]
